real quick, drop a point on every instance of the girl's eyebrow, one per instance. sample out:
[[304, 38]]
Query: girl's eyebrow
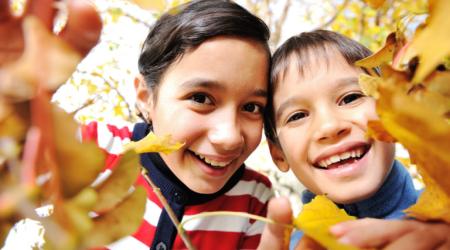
[[210, 84]]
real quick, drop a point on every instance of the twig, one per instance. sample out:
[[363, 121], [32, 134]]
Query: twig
[[238, 214], [333, 18], [169, 210]]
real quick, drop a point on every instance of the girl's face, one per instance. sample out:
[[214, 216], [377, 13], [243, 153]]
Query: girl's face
[[321, 119], [212, 100]]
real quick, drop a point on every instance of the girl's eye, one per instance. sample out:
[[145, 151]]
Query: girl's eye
[[297, 116], [253, 108], [201, 98], [350, 98]]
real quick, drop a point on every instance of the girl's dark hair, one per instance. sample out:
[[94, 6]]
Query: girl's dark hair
[[187, 26], [304, 49]]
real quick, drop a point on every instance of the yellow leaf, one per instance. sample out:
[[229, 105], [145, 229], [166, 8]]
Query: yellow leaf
[[378, 132], [393, 43], [79, 163], [153, 143], [375, 3], [432, 43], [122, 221], [47, 60], [156, 5], [421, 130], [317, 217], [433, 203], [369, 85], [118, 184]]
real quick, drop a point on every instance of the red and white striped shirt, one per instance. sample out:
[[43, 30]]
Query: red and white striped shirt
[[249, 193]]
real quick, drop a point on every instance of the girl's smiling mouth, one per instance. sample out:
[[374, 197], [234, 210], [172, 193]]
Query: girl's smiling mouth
[[214, 164]]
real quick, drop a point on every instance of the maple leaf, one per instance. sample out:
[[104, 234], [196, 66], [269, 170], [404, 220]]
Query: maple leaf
[[369, 85], [47, 60], [317, 217], [153, 143], [436, 32], [394, 42]]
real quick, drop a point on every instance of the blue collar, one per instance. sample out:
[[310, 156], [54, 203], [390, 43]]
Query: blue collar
[[171, 187], [396, 194]]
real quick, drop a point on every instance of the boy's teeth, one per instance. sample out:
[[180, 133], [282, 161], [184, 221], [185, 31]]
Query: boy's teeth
[[356, 153]]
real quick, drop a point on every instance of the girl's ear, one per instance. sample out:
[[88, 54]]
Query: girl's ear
[[277, 156], [144, 98]]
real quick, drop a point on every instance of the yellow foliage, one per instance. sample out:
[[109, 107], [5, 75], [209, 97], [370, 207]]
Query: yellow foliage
[[375, 3], [155, 5], [317, 217], [431, 44], [385, 55], [153, 143]]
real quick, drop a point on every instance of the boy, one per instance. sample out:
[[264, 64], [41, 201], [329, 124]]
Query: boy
[[317, 123]]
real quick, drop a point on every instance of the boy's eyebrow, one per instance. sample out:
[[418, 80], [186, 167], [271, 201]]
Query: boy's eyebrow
[[290, 101], [342, 82], [206, 83]]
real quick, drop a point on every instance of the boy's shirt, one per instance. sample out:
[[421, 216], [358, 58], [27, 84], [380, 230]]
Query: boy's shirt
[[395, 195], [246, 191]]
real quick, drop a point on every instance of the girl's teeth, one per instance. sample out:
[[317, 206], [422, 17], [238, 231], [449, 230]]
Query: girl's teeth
[[212, 162]]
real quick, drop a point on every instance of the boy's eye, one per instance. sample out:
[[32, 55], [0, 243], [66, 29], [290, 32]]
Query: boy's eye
[[253, 108], [297, 116], [350, 98], [201, 98]]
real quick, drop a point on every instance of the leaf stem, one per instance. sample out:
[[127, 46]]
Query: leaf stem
[[169, 210], [232, 213]]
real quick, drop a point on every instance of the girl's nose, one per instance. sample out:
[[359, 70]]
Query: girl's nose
[[227, 135]]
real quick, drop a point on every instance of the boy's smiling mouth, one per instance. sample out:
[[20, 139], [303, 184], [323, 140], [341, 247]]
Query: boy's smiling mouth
[[342, 157]]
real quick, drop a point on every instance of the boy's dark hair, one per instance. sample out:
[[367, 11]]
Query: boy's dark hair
[[187, 26], [305, 47]]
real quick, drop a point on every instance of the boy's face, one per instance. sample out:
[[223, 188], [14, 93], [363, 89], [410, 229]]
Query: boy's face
[[321, 119], [212, 100]]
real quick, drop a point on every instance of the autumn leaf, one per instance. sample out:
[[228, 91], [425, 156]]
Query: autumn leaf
[[317, 217], [377, 131], [80, 163], [47, 60], [421, 130], [437, 34], [375, 4], [155, 5], [394, 42], [369, 85], [120, 222], [153, 143], [433, 203], [118, 184]]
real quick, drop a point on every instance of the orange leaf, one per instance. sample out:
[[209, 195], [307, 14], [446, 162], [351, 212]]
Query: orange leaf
[[394, 42]]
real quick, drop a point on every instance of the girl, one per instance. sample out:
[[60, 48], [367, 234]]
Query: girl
[[204, 70]]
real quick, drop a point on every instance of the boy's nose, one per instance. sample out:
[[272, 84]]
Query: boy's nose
[[330, 128], [227, 135]]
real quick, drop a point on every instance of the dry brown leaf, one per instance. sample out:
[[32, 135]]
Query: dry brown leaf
[[431, 43], [79, 163], [47, 60], [317, 217], [120, 222], [118, 184]]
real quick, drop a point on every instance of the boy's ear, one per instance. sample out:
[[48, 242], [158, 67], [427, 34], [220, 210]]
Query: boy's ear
[[144, 98], [278, 156]]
